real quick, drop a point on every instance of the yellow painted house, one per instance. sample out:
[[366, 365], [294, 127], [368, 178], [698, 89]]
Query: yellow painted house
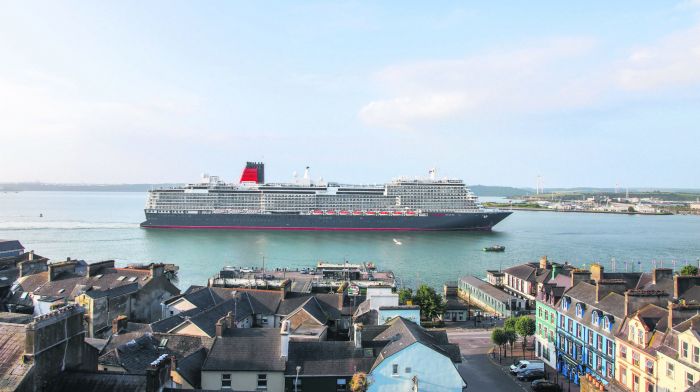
[[679, 358]]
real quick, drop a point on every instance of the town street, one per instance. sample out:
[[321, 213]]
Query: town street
[[476, 368]]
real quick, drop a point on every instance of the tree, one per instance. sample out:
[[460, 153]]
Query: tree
[[525, 326], [498, 338], [359, 382], [511, 337], [689, 270], [509, 323], [405, 295], [431, 304]]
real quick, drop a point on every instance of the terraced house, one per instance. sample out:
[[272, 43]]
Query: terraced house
[[546, 321]]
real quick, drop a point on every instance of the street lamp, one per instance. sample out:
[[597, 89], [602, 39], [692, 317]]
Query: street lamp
[[296, 379]]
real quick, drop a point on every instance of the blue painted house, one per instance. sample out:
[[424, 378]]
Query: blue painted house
[[589, 315]]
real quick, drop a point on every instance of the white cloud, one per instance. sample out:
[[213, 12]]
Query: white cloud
[[541, 77], [673, 61]]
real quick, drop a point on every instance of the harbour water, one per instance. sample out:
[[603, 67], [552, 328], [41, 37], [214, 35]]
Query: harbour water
[[104, 225]]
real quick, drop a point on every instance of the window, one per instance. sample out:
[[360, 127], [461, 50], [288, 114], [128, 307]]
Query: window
[[650, 367], [623, 352], [689, 380], [408, 369], [579, 310], [623, 375], [610, 371], [635, 358], [600, 343], [670, 371], [571, 326], [631, 334], [650, 387], [696, 354], [684, 349], [609, 343], [590, 337], [341, 385], [262, 382], [578, 331], [394, 370], [640, 337], [226, 381], [635, 383], [608, 323], [594, 318]]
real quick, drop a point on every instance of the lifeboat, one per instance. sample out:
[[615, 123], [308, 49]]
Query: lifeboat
[[370, 213], [343, 212], [384, 213], [410, 213], [317, 212], [330, 212], [357, 212], [398, 213]]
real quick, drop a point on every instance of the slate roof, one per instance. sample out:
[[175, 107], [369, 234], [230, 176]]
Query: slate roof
[[12, 369], [402, 333], [522, 271], [136, 354], [206, 320], [246, 349], [190, 367], [613, 304], [328, 358], [488, 289], [69, 285], [655, 320], [98, 382], [10, 245]]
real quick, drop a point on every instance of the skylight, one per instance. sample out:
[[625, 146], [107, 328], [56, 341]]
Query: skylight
[[98, 276], [132, 279], [121, 278]]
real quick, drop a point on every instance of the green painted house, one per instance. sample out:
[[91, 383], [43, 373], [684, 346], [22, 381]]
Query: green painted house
[[546, 320]]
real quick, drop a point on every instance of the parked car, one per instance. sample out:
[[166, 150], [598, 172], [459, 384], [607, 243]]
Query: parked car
[[526, 365], [543, 385], [530, 374]]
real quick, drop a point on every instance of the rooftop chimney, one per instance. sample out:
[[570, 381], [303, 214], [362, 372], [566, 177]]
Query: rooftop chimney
[[119, 324], [95, 268], [597, 272], [55, 269], [544, 262], [636, 299], [357, 335], [579, 276], [219, 328], [681, 284], [158, 374], [605, 287], [31, 255], [284, 339], [661, 274]]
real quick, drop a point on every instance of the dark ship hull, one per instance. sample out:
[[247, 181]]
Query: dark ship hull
[[429, 222]]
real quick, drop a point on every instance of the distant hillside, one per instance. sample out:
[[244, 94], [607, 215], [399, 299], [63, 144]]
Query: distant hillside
[[503, 191], [37, 186]]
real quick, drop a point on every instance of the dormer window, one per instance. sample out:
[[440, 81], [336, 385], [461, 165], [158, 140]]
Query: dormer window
[[608, 323], [595, 318], [565, 303], [579, 310]]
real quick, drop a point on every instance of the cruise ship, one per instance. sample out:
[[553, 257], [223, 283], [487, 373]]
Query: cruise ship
[[252, 204]]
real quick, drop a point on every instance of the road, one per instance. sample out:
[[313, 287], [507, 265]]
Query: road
[[476, 368]]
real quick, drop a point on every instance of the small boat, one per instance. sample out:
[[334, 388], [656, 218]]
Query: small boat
[[397, 242], [41, 215], [370, 213], [398, 213], [495, 248], [384, 213], [343, 212]]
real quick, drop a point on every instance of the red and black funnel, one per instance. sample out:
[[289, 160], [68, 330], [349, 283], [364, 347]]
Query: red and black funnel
[[254, 172]]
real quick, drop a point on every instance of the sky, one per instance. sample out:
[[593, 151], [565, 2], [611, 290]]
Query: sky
[[592, 93]]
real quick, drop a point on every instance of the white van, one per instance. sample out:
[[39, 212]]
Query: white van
[[526, 364]]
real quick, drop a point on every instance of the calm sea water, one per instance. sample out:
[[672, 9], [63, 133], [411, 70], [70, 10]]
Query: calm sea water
[[99, 225]]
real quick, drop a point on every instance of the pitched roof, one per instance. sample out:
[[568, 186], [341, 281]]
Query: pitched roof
[[206, 320], [136, 354], [69, 285], [98, 382], [246, 349], [12, 368], [522, 271], [402, 333], [10, 245], [328, 358]]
